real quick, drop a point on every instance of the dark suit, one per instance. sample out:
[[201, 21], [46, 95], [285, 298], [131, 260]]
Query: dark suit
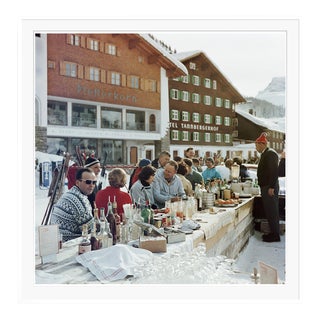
[[268, 178]]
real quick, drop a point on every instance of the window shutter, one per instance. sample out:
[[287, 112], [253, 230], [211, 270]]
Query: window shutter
[[62, 68], [83, 42], [69, 37], [118, 52], [80, 71], [87, 73], [108, 76], [88, 43], [158, 87], [123, 80], [142, 84], [103, 76], [101, 46]]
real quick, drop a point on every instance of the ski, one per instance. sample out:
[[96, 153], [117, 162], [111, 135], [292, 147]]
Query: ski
[[56, 187]]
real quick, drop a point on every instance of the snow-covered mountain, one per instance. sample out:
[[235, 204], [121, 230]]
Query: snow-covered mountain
[[275, 92]]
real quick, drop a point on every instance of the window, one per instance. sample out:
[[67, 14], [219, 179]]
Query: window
[[174, 115], [115, 78], [207, 83], [207, 100], [227, 103], [227, 121], [93, 44], [86, 145], [218, 102], [174, 94], [207, 137], [192, 66], [218, 137], [114, 150], [196, 80], [218, 120], [70, 69], [84, 115], [174, 134], [135, 120], [195, 98], [94, 74], [55, 145], [185, 96], [51, 64], [134, 82], [111, 49], [227, 138], [75, 40], [196, 136], [185, 135], [152, 122], [196, 117], [57, 113], [185, 79], [185, 116], [111, 118], [151, 85], [207, 118], [214, 84]]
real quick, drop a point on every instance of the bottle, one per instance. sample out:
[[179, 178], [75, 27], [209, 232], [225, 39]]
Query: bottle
[[112, 222], [109, 237], [136, 230], [117, 218], [85, 244], [103, 234], [198, 196], [96, 220], [146, 213], [96, 243]]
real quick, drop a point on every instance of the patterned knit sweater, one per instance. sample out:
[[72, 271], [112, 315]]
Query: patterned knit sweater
[[70, 212]]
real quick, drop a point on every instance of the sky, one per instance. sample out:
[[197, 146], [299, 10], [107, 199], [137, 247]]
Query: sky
[[249, 60]]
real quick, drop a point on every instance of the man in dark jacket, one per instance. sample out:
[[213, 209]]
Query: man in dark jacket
[[267, 174]]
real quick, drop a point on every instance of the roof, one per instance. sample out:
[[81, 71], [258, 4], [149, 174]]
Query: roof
[[157, 54], [269, 124], [184, 56]]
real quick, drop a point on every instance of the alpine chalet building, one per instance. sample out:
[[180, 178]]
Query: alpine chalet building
[[202, 108], [107, 93]]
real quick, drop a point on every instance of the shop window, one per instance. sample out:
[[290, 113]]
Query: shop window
[[87, 146], [57, 113], [112, 151], [57, 145], [135, 120], [111, 118], [84, 116]]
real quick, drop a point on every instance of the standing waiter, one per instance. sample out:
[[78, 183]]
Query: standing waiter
[[269, 184]]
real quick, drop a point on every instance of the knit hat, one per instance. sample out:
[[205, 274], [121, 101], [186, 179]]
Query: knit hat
[[144, 162], [262, 138], [91, 162]]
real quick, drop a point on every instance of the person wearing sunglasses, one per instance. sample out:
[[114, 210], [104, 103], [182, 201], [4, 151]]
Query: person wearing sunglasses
[[73, 209]]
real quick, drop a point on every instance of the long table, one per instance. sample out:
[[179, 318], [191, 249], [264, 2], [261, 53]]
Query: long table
[[224, 232]]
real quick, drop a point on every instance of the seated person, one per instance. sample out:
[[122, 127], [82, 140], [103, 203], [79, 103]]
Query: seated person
[[167, 185], [73, 209], [117, 179], [181, 173], [141, 190]]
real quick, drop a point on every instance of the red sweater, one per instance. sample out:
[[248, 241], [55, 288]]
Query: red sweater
[[102, 198]]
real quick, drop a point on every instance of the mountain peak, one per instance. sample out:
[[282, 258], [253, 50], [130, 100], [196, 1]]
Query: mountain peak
[[274, 92]]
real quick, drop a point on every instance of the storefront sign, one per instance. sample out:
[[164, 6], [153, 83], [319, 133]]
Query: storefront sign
[[191, 126], [114, 95]]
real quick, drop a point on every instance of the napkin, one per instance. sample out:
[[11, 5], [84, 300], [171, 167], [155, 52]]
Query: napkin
[[114, 263]]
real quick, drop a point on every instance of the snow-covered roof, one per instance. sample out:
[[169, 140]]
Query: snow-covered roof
[[271, 124], [182, 56], [164, 52]]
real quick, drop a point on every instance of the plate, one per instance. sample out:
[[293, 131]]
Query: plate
[[226, 205]]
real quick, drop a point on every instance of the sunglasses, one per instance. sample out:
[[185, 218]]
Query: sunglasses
[[89, 181]]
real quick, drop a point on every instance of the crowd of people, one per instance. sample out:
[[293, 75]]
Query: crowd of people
[[153, 183]]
